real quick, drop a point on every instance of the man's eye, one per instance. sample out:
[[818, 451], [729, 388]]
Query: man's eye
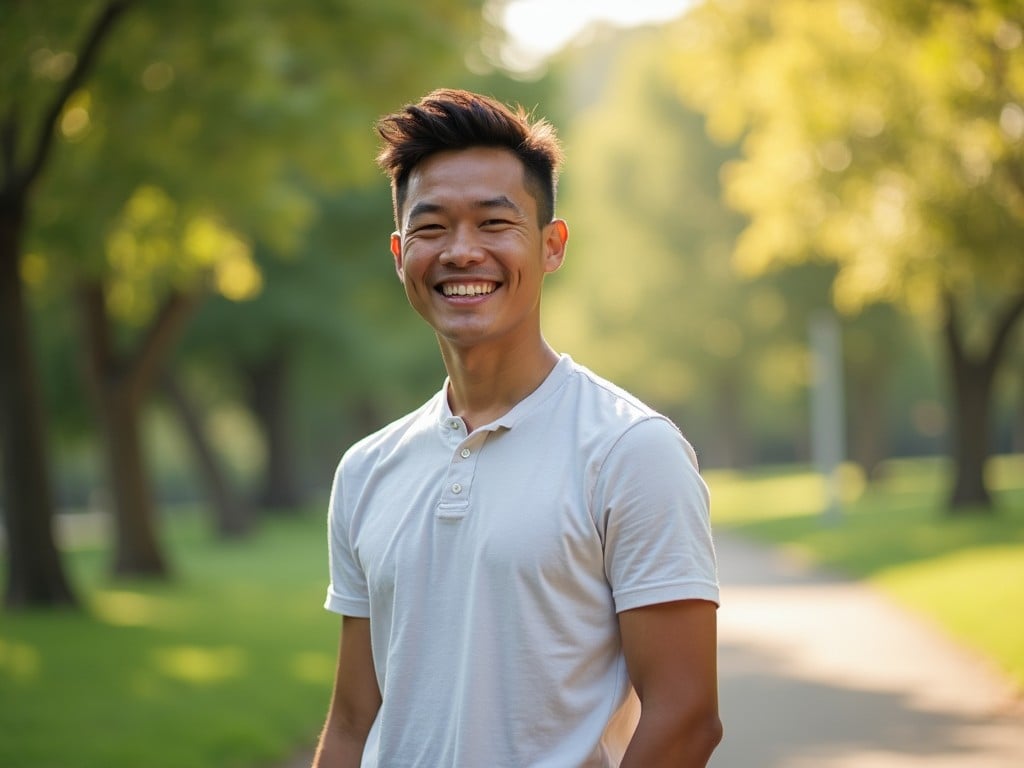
[[427, 228], [494, 223]]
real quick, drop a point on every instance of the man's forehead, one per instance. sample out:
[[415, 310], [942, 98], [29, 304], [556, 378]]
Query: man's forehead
[[479, 177], [499, 166]]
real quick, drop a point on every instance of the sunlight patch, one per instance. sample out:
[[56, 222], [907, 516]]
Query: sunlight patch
[[310, 667], [198, 665], [18, 661], [126, 609]]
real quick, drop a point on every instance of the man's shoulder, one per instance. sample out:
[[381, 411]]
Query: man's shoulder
[[612, 402]]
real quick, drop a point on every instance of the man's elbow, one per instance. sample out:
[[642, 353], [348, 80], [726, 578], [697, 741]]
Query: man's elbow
[[711, 732], [703, 733], [677, 736]]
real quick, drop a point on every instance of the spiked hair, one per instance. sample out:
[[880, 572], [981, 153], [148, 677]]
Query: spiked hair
[[449, 119]]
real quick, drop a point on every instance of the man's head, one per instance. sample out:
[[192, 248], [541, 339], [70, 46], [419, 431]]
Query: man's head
[[448, 119]]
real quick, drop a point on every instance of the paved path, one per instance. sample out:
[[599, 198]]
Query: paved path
[[817, 672]]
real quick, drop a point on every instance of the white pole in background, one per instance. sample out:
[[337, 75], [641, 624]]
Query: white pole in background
[[828, 434]]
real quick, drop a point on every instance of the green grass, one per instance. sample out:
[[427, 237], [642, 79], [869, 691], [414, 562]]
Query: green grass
[[230, 664], [966, 572]]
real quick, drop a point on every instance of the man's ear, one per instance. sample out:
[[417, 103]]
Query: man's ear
[[396, 251], [556, 237]]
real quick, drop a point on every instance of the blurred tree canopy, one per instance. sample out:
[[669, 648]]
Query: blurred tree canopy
[[888, 140], [649, 295], [148, 151]]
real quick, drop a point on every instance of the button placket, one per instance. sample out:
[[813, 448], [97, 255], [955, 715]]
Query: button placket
[[455, 494]]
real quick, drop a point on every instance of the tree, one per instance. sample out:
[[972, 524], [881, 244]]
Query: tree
[[202, 120], [35, 575], [886, 139]]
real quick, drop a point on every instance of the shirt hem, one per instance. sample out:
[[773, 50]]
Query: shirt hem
[[666, 593], [347, 607]]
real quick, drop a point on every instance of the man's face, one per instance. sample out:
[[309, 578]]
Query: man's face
[[470, 251]]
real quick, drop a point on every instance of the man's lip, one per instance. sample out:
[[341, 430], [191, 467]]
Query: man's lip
[[466, 280], [439, 285]]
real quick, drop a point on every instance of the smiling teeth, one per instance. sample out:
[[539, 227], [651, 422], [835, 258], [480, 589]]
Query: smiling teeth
[[473, 289]]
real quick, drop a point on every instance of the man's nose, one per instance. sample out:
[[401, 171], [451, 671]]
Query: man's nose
[[463, 248]]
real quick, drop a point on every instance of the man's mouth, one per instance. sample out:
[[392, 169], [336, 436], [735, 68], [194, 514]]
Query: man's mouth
[[467, 289]]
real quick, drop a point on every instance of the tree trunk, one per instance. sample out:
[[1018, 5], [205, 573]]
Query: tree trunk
[[120, 384], [35, 575], [867, 429], [231, 515], [971, 435], [733, 440], [137, 548], [972, 380], [268, 388], [1017, 436]]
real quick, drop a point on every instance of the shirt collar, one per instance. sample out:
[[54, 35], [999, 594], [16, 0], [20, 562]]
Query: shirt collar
[[448, 422]]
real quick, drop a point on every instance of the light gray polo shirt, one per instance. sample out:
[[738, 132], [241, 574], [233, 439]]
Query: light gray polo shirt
[[492, 566]]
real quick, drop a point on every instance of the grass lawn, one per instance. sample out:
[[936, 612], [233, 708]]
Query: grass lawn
[[965, 572], [231, 664]]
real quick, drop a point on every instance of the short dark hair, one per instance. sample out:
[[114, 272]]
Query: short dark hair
[[450, 119]]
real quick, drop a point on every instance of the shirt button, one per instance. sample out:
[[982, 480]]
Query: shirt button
[[453, 424], [456, 488], [465, 453]]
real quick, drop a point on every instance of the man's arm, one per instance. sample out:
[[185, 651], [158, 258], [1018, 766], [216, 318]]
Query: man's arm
[[355, 701], [671, 656]]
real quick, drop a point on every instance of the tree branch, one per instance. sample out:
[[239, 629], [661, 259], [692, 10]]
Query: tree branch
[[8, 148], [1005, 326], [950, 327], [83, 63], [98, 345], [161, 335]]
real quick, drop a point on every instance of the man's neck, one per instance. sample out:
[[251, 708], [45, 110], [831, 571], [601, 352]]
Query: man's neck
[[485, 384]]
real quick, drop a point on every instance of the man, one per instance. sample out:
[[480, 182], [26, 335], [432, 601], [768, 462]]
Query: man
[[517, 557]]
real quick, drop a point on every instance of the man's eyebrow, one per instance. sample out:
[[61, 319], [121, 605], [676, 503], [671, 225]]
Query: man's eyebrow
[[423, 208], [501, 201]]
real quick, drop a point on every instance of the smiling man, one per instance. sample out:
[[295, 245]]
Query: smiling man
[[523, 565]]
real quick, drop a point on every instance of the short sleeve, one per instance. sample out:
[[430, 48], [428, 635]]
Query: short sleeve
[[653, 507], [347, 592]]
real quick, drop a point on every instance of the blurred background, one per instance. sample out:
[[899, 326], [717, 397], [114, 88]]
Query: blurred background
[[199, 310]]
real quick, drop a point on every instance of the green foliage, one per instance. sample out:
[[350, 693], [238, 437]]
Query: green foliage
[[235, 111], [230, 667], [650, 295], [887, 138], [963, 571], [201, 132]]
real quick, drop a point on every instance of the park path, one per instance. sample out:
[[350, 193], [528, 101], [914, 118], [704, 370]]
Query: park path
[[821, 672], [816, 671]]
